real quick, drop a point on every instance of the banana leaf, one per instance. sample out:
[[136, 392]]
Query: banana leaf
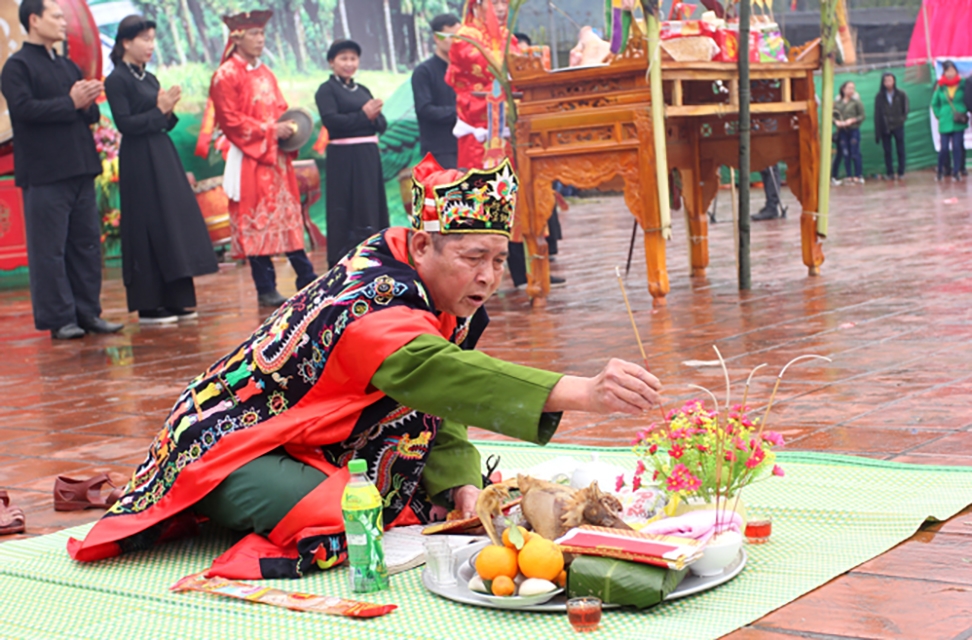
[[621, 582]]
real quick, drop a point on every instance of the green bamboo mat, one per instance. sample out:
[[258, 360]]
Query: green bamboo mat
[[830, 513]]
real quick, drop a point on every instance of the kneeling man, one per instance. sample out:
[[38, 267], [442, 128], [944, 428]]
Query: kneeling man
[[374, 360]]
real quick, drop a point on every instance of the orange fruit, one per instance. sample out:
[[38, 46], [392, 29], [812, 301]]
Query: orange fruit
[[494, 561], [506, 536], [503, 586], [541, 558], [561, 580]]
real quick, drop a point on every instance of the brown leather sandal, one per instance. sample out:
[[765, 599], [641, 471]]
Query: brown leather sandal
[[75, 495], [11, 518]]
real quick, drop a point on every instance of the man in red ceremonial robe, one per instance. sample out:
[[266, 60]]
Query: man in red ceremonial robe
[[265, 214], [468, 72]]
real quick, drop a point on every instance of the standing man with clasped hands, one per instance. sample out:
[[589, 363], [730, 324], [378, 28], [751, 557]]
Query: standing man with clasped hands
[[51, 109]]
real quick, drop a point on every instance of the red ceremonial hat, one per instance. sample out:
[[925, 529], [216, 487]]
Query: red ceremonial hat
[[452, 201], [248, 20]]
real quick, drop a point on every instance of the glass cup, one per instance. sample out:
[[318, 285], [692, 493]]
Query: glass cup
[[758, 531], [440, 561], [584, 614]]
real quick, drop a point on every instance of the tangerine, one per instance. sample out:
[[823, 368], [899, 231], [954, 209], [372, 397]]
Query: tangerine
[[541, 558], [496, 560], [561, 580], [503, 586], [506, 537]]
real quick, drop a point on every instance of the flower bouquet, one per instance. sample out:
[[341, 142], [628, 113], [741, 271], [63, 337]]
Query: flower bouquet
[[107, 142], [704, 454]]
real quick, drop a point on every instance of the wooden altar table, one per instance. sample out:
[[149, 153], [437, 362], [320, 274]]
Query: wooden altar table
[[585, 126]]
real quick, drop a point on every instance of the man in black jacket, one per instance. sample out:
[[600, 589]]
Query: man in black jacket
[[891, 108], [435, 101], [55, 162]]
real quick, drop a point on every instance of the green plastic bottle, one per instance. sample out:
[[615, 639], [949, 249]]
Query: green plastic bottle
[[363, 526]]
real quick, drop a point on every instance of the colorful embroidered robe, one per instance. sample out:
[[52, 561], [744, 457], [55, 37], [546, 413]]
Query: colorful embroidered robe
[[303, 382], [267, 219], [468, 72]]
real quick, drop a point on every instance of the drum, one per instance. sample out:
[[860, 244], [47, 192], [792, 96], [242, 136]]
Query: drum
[[405, 188], [215, 209], [83, 41]]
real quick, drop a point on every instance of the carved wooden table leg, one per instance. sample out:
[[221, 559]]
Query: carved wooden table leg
[[641, 196], [540, 205], [808, 194]]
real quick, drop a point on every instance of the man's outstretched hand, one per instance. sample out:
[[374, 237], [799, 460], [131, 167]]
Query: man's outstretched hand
[[621, 387], [465, 498]]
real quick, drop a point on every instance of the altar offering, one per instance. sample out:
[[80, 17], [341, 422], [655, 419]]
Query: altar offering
[[621, 582], [758, 531], [584, 614], [277, 597]]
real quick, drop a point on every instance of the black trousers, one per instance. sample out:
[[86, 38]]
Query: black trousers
[[265, 276], [898, 136], [771, 187], [63, 251], [516, 261]]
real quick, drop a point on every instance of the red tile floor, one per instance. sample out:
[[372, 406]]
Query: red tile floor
[[891, 308]]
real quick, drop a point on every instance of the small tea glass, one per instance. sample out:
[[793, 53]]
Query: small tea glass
[[758, 531], [584, 614], [440, 561]]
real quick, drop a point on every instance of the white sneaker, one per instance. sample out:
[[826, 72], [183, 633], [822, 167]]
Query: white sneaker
[[834, 182], [155, 317]]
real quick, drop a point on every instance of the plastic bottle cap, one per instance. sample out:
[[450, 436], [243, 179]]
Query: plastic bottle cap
[[358, 466]]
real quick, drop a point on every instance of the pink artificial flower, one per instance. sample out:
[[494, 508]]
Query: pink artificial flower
[[677, 434], [730, 456], [773, 437], [739, 443], [681, 479], [676, 451], [655, 475], [755, 459], [652, 449], [778, 470], [619, 483], [636, 483], [702, 448], [640, 468]]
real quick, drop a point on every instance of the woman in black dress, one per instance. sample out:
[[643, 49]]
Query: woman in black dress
[[164, 238], [356, 205]]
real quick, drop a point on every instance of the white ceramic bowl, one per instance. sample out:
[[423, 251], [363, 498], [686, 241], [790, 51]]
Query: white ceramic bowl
[[718, 554]]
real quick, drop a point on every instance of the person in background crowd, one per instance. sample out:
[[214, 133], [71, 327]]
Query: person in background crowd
[[163, 234], [771, 187], [967, 91], [848, 116], [51, 109], [890, 114], [435, 101], [356, 203], [948, 105], [259, 179]]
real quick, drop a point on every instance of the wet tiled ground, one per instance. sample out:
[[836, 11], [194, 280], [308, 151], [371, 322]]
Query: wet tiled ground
[[891, 308]]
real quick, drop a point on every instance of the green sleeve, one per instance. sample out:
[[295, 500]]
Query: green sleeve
[[434, 376], [453, 462], [861, 114]]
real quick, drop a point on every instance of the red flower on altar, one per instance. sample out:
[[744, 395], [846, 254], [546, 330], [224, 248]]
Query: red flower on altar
[[677, 451], [681, 479], [756, 458]]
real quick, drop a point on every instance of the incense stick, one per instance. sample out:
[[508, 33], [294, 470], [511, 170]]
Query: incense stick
[[624, 294], [634, 326]]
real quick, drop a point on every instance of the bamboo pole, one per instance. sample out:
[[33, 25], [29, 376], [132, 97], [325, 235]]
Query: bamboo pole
[[658, 119], [745, 274], [828, 46]]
